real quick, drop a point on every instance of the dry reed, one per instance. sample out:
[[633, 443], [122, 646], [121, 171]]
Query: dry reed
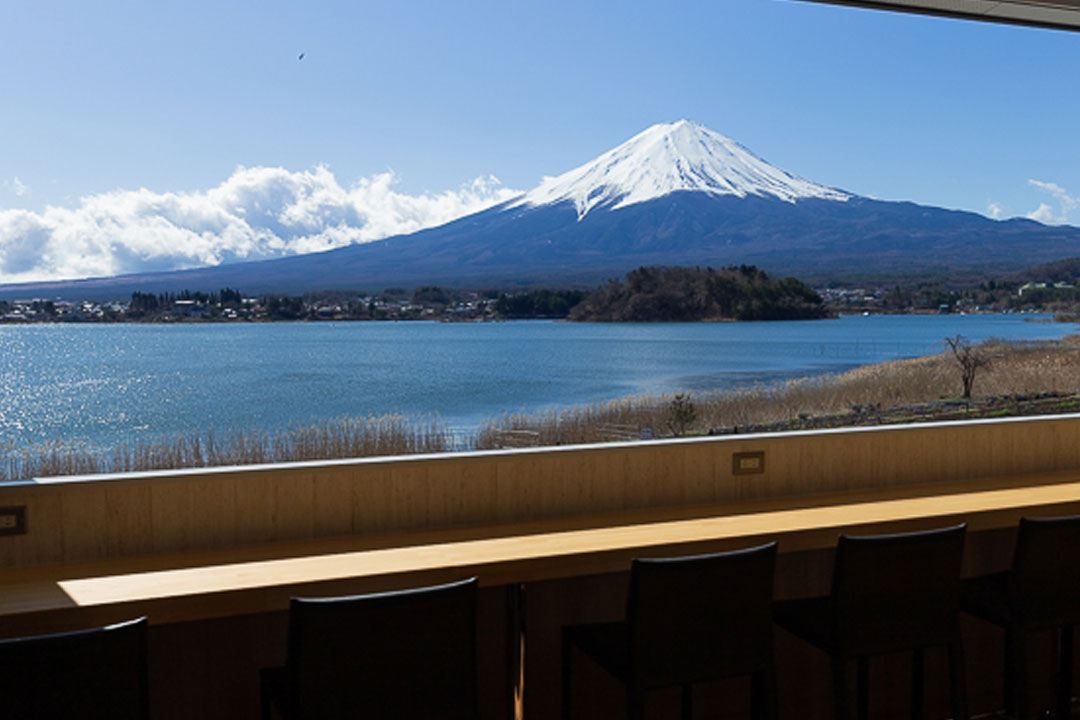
[[337, 438]]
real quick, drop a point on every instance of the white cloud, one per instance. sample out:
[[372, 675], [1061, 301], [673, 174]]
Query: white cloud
[[994, 210], [17, 186], [1045, 213], [257, 213]]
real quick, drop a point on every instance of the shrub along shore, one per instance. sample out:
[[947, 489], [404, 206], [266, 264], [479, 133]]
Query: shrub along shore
[[1013, 378]]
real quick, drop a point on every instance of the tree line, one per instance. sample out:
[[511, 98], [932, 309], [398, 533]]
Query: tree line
[[151, 303], [682, 294]]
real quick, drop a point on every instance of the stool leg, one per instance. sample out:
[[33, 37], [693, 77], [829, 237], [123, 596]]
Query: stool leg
[[567, 653], [918, 680], [763, 695], [1016, 671], [958, 680], [266, 712], [863, 696], [515, 650], [1065, 669], [635, 704], [840, 688], [1008, 680], [265, 701]]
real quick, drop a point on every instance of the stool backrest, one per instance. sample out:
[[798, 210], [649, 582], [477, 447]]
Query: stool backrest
[[97, 674], [406, 654], [1045, 586], [897, 591], [701, 617]]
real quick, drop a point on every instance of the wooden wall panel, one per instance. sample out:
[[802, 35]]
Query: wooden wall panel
[[83, 523], [104, 517], [174, 514], [293, 506], [129, 521], [369, 508], [332, 505]]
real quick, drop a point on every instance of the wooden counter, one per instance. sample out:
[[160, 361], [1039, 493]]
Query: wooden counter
[[211, 585]]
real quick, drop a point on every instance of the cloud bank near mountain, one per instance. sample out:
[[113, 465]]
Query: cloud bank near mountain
[[1045, 213], [257, 213]]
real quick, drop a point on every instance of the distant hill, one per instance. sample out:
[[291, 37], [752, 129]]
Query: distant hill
[[1067, 270], [675, 194], [677, 294]]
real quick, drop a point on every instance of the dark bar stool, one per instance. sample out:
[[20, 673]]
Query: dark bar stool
[[890, 593], [688, 620], [405, 654], [1042, 591], [97, 674]]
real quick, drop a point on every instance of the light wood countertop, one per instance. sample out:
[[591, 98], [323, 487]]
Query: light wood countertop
[[218, 584]]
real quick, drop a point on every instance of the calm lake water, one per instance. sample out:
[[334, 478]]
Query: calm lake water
[[99, 384]]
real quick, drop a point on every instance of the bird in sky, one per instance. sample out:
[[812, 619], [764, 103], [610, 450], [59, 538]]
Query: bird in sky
[[300, 56]]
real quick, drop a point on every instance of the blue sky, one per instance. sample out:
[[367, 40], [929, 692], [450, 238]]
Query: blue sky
[[102, 101]]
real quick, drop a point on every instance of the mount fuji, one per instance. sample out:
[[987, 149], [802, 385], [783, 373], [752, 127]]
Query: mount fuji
[[665, 159], [675, 194]]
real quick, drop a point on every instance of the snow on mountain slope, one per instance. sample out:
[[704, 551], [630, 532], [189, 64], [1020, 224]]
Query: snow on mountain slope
[[666, 158]]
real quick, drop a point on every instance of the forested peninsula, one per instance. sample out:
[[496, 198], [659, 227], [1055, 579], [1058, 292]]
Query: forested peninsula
[[679, 294]]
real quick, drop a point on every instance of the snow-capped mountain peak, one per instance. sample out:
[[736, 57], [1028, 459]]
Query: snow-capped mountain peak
[[669, 157]]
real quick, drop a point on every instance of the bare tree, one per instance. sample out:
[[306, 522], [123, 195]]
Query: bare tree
[[969, 358], [681, 414]]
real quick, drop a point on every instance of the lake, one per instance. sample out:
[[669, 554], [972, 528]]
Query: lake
[[101, 384]]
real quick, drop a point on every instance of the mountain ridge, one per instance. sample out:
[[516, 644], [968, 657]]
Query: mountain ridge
[[667, 196]]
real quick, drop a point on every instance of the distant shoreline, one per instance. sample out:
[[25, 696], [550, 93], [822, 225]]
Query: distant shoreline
[[1053, 318]]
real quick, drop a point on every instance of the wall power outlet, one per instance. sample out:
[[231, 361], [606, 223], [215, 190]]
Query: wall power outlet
[[748, 463], [13, 520]]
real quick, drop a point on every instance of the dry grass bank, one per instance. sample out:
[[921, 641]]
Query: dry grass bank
[[338, 438], [1015, 368]]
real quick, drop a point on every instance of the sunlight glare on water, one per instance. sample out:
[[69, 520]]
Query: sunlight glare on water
[[104, 384]]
